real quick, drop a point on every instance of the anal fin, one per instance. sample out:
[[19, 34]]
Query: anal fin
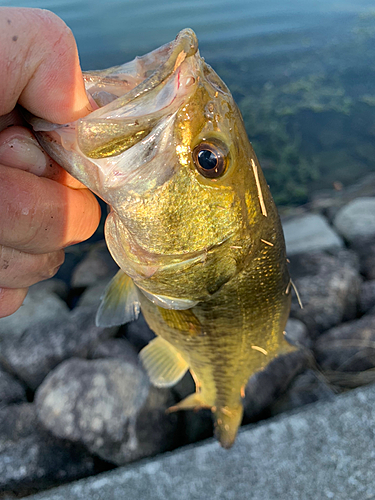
[[164, 364], [119, 303]]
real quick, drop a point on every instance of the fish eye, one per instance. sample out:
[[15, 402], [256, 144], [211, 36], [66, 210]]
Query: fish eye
[[211, 158]]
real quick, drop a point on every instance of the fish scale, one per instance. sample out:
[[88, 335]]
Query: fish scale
[[192, 225]]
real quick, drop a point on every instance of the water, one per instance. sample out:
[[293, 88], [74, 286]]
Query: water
[[301, 71]]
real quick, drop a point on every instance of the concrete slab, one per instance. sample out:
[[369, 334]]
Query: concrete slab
[[324, 451]]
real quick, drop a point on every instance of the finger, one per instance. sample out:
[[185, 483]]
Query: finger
[[10, 300], [21, 270], [42, 216], [39, 66], [20, 149], [11, 119]]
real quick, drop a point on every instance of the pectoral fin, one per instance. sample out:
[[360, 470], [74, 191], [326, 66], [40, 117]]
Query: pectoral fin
[[164, 364], [119, 303]]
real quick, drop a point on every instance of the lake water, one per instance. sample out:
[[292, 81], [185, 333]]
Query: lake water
[[302, 72]]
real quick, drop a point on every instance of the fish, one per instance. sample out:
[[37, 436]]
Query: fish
[[192, 223]]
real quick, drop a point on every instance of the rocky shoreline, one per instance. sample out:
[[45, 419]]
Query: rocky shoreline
[[75, 401]]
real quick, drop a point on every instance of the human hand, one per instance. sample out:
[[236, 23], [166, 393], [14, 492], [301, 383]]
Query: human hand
[[43, 209]]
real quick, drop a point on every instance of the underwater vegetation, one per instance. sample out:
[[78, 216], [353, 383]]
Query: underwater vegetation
[[312, 121]]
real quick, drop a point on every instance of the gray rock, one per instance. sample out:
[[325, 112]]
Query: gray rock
[[296, 333], [156, 430], [266, 386], [115, 348], [308, 387], [95, 266], [195, 425], [310, 233], [11, 390], [367, 296], [323, 451], [39, 306], [32, 459], [52, 286], [366, 252], [329, 289], [138, 333], [95, 403], [92, 295], [42, 346], [349, 347], [356, 221]]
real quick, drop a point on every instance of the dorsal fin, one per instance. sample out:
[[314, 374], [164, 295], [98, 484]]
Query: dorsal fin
[[164, 364], [119, 303]]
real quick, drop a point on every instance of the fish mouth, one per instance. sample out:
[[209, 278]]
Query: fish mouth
[[135, 106]]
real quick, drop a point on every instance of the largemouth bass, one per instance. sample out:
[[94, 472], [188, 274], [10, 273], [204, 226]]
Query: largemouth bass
[[192, 226]]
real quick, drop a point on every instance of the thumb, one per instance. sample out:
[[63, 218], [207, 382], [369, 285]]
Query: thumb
[[39, 66]]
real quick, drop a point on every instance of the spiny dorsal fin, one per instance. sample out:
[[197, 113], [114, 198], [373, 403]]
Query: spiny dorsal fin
[[164, 364], [119, 303]]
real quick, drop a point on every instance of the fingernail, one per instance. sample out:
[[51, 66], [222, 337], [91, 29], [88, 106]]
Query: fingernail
[[23, 153]]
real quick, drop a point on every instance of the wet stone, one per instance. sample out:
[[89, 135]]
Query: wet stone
[[310, 233], [30, 458], [296, 333], [115, 348], [356, 220], [95, 403], [11, 390], [367, 296], [92, 295], [308, 387], [138, 333], [266, 386], [40, 305], [42, 346], [348, 347], [328, 286], [97, 265]]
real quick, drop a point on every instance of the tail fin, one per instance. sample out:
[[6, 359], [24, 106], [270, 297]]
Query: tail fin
[[227, 422]]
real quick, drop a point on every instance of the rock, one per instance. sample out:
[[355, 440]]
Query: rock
[[308, 387], [95, 403], [356, 221], [296, 333], [115, 348], [324, 451], [266, 386], [95, 266], [367, 296], [349, 347], [138, 333], [195, 425], [366, 254], [51, 286], [329, 289], [92, 295], [41, 347], [39, 306], [32, 459], [156, 430], [11, 391], [310, 233]]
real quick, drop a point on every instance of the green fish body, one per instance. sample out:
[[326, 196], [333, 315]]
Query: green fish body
[[192, 226]]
